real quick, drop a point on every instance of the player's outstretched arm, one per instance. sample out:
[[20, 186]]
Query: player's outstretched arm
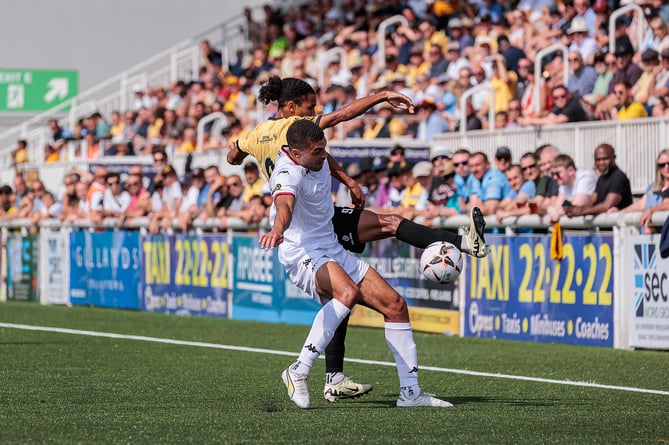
[[357, 197], [359, 106], [285, 204]]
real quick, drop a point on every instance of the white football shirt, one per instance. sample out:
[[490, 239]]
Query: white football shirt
[[310, 231]]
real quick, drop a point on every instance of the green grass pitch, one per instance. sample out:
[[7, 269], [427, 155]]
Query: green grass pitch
[[64, 388]]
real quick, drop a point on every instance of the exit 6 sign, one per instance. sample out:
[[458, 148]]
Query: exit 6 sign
[[35, 90]]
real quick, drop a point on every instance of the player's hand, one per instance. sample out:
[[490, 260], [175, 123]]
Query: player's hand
[[401, 102], [270, 240], [357, 197]]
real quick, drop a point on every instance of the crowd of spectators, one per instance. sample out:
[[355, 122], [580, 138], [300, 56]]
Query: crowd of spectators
[[447, 48]]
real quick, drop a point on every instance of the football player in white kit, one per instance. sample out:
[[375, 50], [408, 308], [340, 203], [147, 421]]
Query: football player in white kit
[[301, 218]]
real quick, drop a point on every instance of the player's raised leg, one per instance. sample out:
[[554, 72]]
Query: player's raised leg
[[373, 226]]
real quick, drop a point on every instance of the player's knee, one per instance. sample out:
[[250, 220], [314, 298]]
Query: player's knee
[[349, 295], [396, 307]]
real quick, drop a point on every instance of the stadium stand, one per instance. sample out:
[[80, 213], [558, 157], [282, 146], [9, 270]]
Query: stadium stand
[[465, 67]]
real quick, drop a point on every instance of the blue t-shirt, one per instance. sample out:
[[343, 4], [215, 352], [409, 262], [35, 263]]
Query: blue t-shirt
[[493, 185]]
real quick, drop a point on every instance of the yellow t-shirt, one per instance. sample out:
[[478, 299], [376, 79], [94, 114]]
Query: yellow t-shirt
[[633, 111], [266, 139], [252, 190], [413, 195]]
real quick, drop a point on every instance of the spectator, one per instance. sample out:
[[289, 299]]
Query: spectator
[[116, 200], [194, 201], [76, 209], [576, 186], [582, 77], [657, 36], [51, 208], [520, 31], [20, 189], [503, 159], [521, 192], [644, 88], [438, 63], [513, 113], [463, 179], [566, 108], [443, 200], [528, 98], [490, 187], [581, 42], [456, 61], [432, 122], [612, 190], [604, 63], [95, 195], [625, 70], [627, 108], [547, 187], [254, 182], [166, 200], [456, 33], [656, 196], [503, 84], [20, 153], [5, 200], [140, 199], [233, 200], [415, 194]]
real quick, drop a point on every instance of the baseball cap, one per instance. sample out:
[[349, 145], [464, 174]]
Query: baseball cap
[[422, 168], [197, 173], [600, 6], [624, 47], [650, 55], [503, 153], [440, 150]]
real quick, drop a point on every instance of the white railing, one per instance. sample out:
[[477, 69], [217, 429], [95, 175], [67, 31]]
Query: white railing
[[637, 143]]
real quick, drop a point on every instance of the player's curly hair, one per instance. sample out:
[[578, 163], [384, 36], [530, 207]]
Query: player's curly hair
[[283, 90]]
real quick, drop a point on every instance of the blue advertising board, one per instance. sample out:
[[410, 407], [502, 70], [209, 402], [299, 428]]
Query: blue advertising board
[[186, 274], [105, 269], [262, 291], [518, 292]]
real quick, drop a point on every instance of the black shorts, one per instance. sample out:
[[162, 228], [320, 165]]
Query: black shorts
[[345, 222]]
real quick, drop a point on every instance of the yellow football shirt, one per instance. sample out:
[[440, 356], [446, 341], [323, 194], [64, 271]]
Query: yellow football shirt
[[265, 140]]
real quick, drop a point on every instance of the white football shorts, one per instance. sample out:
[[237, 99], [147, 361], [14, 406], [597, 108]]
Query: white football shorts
[[303, 272]]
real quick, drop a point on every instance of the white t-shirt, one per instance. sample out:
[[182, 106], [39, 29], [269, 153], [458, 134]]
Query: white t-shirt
[[171, 194], [116, 203], [310, 232], [585, 183], [190, 199]]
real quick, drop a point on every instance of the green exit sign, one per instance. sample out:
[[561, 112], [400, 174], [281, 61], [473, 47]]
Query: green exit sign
[[35, 90]]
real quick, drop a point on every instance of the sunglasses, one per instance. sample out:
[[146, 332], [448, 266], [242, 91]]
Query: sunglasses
[[158, 159], [527, 167], [234, 184], [458, 164], [561, 96], [110, 183], [662, 164]]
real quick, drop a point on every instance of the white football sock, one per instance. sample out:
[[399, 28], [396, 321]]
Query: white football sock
[[399, 337], [322, 330]]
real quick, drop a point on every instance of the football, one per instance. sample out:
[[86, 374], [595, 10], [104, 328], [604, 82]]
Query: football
[[441, 262]]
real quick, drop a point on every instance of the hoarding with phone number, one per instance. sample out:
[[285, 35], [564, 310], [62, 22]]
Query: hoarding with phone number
[[518, 292]]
